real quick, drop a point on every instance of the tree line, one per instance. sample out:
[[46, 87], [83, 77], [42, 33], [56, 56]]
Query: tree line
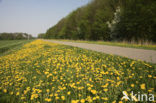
[[15, 36], [108, 20]]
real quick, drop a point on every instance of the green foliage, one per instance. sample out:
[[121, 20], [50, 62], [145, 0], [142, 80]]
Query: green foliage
[[136, 21], [41, 35], [14, 36], [87, 22]]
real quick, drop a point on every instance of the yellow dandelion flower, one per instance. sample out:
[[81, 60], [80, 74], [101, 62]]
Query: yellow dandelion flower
[[63, 97], [51, 95], [104, 98], [82, 100], [114, 102], [97, 97], [89, 99], [17, 93], [48, 90], [94, 98], [94, 91], [143, 86], [105, 90], [132, 85], [150, 76], [74, 101], [89, 88], [57, 98], [11, 93], [48, 99], [23, 98], [5, 90], [69, 93], [149, 90]]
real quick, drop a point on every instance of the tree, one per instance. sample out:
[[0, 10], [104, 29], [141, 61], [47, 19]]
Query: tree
[[137, 21]]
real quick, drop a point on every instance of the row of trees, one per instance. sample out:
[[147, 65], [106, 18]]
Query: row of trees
[[108, 20], [41, 35], [15, 36]]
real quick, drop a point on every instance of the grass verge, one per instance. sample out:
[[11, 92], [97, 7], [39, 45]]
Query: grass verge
[[9, 45]]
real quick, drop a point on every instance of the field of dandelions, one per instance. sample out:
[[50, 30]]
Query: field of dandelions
[[44, 72]]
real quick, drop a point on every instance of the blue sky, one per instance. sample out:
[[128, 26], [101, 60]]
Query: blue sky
[[34, 16]]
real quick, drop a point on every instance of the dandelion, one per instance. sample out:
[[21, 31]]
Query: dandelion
[[11, 93], [97, 97], [48, 90], [104, 98], [94, 98], [51, 95], [74, 101], [23, 98], [105, 90], [63, 97], [149, 90], [5, 90], [82, 101], [94, 91], [114, 102], [89, 88], [68, 93], [142, 86], [89, 99], [57, 98], [150, 76], [132, 85], [48, 99], [17, 93]]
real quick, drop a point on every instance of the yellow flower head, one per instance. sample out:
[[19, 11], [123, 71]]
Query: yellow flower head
[[63, 97], [132, 85], [82, 100], [48, 99], [94, 91], [143, 86], [74, 101], [4, 90], [69, 93]]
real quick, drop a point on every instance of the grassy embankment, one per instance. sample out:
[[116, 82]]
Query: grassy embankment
[[145, 45], [42, 72], [9, 45]]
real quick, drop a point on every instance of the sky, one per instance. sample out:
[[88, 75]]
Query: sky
[[34, 16]]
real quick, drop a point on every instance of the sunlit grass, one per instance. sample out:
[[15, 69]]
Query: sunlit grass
[[42, 72], [6, 45]]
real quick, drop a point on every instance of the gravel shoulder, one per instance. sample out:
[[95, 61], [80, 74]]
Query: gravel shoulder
[[137, 54]]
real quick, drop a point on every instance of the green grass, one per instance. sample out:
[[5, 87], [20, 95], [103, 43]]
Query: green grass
[[9, 45], [120, 44], [46, 72]]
